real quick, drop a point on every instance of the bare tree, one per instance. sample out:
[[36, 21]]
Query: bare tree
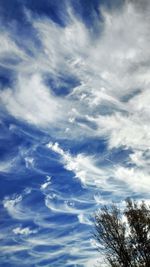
[[126, 242]]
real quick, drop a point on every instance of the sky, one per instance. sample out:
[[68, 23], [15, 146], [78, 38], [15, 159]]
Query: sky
[[75, 123]]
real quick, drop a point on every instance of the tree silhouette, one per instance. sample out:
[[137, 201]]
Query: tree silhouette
[[124, 235]]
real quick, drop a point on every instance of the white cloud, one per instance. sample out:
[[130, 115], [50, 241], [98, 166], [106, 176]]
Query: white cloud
[[86, 169], [137, 180], [84, 219], [124, 130], [13, 249], [8, 203], [140, 158], [111, 101], [110, 67], [6, 166], [8, 48], [32, 101], [12, 205], [23, 231], [83, 166], [16, 208], [46, 184]]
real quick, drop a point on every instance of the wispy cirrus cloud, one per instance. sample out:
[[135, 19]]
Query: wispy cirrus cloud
[[90, 173], [29, 98], [74, 85], [106, 76], [36, 242]]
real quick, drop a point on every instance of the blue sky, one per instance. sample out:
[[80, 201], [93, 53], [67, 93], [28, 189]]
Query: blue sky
[[74, 118]]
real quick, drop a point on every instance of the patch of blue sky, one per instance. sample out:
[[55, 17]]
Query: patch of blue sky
[[6, 77], [12, 11], [119, 155], [89, 145], [61, 85], [55, 10], [88, 11]]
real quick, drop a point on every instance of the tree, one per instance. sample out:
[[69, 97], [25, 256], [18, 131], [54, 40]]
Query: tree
[[124, 235]]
